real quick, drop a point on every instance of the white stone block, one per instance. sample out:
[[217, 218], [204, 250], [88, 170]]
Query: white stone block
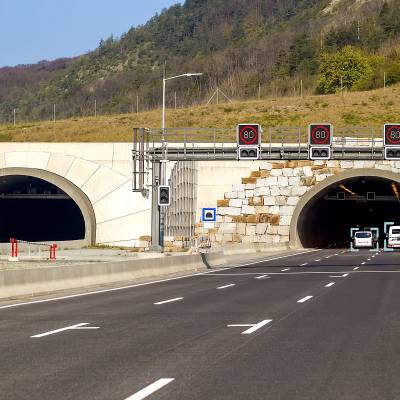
[[307, 171], [298, 172], [260, 182], [275, 190], [293, 200], [231, 195], [80, 171], [285, 191], [294, 181], [274, 209], [321, 177], [272, 230], [287, 171], [250, 186], [262, 191], [298, 190], [241, 228], [227, 227], [249, 193], [286, 210], [241, 195], [229, 211], [250, 230], [333, 164], [271, 181], [285, 220], [269, 201], [276, 172], [235, 202], [283, 230], [276, 239], [248, 210], [27, 159], [280, 200], [227, 237], [261, 229], [265, 165], [359, 164], [59, 164], [283, 181]]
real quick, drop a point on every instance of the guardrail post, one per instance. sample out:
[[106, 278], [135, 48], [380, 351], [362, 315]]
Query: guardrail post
[[14, 250], [53, 251]]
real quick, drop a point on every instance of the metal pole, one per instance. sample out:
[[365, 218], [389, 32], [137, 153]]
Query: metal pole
[[137, 104], [155, 209], [54, 113], [163, 108], [301, 88], [384, 80], [175, 99], [95, 107], [259, 91]]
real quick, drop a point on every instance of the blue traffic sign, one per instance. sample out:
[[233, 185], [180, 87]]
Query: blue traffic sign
[[209, 215]]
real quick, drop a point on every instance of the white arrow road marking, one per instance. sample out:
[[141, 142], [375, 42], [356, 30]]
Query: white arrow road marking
[[147, 391], [253, 327], [330, 284], [67, 328], [262, 277], [168, 301], [226, 286], [304, 299]]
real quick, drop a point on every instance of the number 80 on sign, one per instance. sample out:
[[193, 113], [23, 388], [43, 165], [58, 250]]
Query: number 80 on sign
[[320, 134]]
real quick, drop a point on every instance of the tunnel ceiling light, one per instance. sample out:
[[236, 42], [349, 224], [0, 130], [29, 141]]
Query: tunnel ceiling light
[[347, 190], [395, 190]]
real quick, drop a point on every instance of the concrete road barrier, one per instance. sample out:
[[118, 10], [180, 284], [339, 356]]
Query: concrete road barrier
[[34, 281]]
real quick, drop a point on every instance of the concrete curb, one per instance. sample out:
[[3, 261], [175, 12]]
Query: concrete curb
[[34, 281]]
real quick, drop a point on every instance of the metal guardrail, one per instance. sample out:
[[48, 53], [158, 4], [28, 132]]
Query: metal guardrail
[[278, 143]]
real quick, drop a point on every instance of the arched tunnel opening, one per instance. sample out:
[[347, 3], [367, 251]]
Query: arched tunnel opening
[[34, 209], [359, 202]]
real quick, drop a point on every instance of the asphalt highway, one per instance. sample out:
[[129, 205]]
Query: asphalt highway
[[317, 325]]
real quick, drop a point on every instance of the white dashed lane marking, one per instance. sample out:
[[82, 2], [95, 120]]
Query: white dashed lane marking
[[304, 299]]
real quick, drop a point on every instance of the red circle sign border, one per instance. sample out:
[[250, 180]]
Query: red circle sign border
[[255, 134], [387, 132], [315, 140]]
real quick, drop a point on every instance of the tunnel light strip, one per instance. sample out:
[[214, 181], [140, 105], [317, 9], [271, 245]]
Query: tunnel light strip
[[347, 190], [395, 190]]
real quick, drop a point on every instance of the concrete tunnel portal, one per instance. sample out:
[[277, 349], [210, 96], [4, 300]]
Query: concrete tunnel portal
[[39, 206], [362, 199]]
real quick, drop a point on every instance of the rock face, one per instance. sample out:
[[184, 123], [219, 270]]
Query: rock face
[[260, 210]]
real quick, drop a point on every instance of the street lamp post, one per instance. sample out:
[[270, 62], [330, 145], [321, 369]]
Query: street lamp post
[[162, 166]]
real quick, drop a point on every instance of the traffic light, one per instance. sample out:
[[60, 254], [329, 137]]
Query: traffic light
[[248, 152], [164, 195], [392, 153], [320, 152]]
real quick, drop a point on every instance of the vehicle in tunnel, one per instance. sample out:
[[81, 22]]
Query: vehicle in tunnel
[[394, 236], [363, 239], [360, 201], [33, 209]]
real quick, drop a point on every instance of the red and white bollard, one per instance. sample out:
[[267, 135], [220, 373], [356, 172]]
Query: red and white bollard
[[53, 251], [14, 250]]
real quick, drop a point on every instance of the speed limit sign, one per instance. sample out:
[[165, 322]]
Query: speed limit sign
[[320, 134], [391, 135], [248, 134]]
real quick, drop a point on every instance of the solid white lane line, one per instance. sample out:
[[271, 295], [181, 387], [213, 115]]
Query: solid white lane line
[[286, 269], [67, 328], [253, 327], [149, 283], [168, 301], [262, 277], [304, 299], [147, 391], [226, 286], [363, 263], [330, 284], [303, 265]]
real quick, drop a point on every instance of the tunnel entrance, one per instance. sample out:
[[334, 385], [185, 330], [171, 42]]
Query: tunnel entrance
[[36, 210], [361, 201]]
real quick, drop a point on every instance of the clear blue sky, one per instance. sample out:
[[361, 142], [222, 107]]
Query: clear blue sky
[[34, 30]]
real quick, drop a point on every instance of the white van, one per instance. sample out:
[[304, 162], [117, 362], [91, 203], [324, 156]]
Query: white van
[[394, 236], [363, 239]]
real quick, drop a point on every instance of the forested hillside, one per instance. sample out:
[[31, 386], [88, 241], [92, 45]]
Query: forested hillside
[[245, 47]]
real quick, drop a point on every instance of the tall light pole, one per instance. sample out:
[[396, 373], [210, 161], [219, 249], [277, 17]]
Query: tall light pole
[[162, 173], [164, 87]]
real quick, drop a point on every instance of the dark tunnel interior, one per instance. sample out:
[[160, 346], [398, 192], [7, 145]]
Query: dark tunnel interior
[[35, 210], [360, 202]]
